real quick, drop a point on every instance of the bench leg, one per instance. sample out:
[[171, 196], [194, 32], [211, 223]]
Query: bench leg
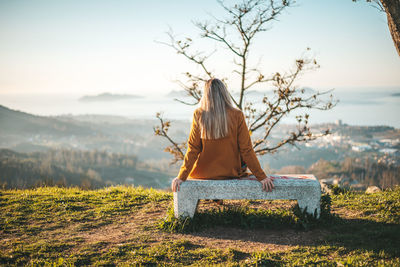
[[310, 205], [185, 207]]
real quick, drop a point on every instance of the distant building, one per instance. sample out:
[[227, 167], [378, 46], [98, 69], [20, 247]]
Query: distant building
[[388, 150], [338, 122], [361, 148], [389, 142]]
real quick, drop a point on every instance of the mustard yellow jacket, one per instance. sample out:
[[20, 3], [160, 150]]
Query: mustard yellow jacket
[[220, 159]]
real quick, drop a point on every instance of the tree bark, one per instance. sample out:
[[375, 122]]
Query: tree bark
[[392, 9]]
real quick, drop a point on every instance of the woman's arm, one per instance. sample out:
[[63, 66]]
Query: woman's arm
[[193, 150], [249, 156], [246, 150]]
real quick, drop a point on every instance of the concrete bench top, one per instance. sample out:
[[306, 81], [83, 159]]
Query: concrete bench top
[[305, 188]]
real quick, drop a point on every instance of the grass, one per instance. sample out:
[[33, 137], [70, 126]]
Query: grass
[[379, 207], [134, 226], [249, 216], [238, 216], [30, 211], [322, 256]]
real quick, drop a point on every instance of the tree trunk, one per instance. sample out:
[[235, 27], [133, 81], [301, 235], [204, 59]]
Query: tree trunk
[[392, 9]]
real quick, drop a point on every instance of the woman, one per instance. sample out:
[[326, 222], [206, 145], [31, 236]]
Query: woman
[[219, 141]]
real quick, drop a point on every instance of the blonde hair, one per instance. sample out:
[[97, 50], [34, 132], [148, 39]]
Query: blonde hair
[[214, 104]]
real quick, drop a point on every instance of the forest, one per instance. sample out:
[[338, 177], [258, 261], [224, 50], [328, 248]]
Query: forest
[[85, 169], [361, 170]]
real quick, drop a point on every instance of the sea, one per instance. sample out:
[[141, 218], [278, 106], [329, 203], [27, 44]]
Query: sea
[[362, 106]]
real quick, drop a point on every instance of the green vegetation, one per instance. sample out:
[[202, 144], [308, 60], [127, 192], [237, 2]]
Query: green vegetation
[[379, 207], [365, 170], [66, 167], [323, 256], [121, 226], [30, 211], [248, 215]]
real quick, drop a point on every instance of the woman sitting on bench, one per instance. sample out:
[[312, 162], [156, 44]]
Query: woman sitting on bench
[[219, 141]]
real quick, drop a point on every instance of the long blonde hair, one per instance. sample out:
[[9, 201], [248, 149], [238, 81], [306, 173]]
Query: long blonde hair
[[214, 104]]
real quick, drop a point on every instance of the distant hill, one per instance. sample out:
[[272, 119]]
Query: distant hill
[[236, 93], [177, 93], [253, 93], [24, 132], [396, 94], [308, 90], [107, 97], [14, 122]]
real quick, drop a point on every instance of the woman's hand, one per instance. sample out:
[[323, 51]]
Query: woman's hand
[[267, 184], [175, 185]]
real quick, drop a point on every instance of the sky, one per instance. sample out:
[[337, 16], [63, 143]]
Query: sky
[[91, 47]]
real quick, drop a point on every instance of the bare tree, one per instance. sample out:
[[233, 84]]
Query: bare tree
[[392, 10], [236, 32]]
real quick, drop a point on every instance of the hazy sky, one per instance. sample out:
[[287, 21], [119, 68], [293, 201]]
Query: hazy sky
[[89, 47]]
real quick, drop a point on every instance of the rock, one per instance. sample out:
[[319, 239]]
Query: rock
[[327, 180], [358, 187], [372, 189], [326, 189]]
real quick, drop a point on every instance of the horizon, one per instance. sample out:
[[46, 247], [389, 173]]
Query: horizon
[[354, 105], [384, 89]]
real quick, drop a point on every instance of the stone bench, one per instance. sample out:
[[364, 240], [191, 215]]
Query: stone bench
[[306, 189]]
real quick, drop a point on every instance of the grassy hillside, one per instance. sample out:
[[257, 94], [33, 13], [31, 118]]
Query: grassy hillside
[[16, 122], [129, 225]]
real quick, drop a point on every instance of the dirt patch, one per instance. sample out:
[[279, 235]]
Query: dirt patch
[[140, 227], [130, 228], [254, 240], [127, 228], [347, 213]]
